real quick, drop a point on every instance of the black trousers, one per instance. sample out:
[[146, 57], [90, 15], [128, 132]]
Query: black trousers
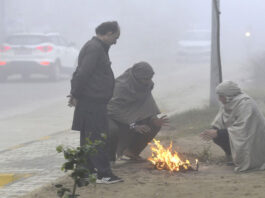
[[222, 140], [122, 138], [94, 121]]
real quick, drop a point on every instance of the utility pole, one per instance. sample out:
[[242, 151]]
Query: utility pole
[[216, 67], [2, 20]]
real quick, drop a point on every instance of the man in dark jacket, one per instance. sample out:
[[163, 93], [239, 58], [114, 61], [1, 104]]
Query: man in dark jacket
[[92, 87]]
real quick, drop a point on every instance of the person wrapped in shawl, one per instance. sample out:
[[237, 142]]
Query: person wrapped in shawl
[[132, 112], [239, 128]]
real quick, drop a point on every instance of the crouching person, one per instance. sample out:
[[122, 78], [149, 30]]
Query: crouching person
[[132, 113], [239, 128]]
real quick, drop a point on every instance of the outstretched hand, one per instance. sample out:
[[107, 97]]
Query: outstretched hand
[[72, 101], [159, 122], [208, 134]]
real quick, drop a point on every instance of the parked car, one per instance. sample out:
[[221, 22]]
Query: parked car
[[195, 46], [36, 53]]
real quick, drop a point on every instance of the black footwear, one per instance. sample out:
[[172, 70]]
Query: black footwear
[[108, 179]]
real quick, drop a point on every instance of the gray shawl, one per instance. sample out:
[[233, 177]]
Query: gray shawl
[[133, 101], [245, 125]]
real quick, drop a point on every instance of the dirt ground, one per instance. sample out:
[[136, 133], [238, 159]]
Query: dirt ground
[[213, 180]]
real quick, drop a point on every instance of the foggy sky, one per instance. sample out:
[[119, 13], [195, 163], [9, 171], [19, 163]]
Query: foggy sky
[[150, 29]]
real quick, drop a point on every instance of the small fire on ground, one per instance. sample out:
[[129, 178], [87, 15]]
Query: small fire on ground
[[166, 159]]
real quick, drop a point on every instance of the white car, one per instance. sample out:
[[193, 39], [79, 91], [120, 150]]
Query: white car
[[195, 46], [36, 53]]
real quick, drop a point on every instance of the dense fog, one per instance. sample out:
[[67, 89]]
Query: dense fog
[[39, 45], [151, 31]]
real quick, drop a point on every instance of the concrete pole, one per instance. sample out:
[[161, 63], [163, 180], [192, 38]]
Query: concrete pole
[[2, 20], [216, 68]]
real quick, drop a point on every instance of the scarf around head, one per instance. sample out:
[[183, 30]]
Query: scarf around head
[[142, 70], [228, 88], [233, 94]]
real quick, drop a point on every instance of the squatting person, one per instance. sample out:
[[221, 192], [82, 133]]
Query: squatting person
[[238, 128], [132, 112]]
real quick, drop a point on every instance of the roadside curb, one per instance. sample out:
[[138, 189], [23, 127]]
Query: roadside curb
[[8, 178]]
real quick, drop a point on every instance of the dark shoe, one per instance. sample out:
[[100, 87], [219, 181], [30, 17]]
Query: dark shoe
[[108, 179]]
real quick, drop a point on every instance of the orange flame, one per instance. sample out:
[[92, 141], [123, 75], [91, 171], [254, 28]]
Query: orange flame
[[165, 158]]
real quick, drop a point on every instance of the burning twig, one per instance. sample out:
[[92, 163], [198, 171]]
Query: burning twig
[[197, 165]]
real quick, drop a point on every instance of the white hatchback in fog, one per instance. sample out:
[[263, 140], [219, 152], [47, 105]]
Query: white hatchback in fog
[[195, 46], [35, 53]]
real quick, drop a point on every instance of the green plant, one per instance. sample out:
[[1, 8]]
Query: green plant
[[205, 154], [75, 160]]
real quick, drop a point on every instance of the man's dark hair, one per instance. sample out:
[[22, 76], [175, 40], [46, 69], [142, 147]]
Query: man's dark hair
[[109, 26]]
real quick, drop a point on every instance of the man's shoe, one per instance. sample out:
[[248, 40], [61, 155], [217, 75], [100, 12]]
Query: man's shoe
[[108, 179]]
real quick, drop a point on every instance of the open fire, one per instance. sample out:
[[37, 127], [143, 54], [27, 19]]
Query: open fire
[[166, 159]]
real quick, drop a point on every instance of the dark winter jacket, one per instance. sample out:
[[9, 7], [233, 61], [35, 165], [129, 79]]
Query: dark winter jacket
[[93, 79]]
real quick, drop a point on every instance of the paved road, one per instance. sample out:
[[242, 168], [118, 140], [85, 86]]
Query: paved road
[[31, 110], [19, 97]]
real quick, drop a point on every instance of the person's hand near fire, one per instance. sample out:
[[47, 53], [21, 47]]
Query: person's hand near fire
[[208, 134], [145, 129], [159, 122]]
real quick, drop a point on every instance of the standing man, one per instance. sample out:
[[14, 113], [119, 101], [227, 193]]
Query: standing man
[[92, 87]]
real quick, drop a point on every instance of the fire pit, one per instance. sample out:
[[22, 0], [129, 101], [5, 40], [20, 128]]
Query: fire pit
[[166, 159]]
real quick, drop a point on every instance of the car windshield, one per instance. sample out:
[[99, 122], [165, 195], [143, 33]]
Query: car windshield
[[27, 39], [198, 36]]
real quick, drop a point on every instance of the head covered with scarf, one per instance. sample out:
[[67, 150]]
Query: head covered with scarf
[[229, 90], [142, 70], [139, 77]]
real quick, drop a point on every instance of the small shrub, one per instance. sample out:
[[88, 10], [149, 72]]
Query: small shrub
[[205, 155], [75, 159]]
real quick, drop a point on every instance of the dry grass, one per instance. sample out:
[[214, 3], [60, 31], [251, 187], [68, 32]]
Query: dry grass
[[192, 122]]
